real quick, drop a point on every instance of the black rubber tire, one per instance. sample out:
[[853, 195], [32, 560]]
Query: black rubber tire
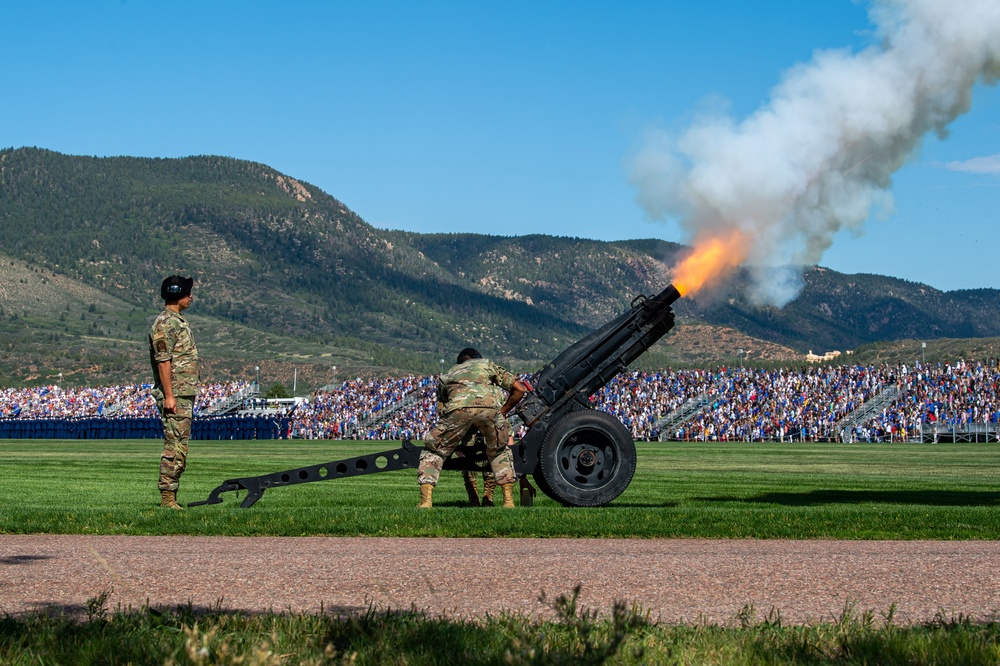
[[542, 485], [587, 459]]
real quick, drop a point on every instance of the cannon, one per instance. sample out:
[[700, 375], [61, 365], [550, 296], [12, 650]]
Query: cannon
[[576, 455]]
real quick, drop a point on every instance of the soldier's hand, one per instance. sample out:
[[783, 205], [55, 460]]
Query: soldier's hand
[[169, 405]]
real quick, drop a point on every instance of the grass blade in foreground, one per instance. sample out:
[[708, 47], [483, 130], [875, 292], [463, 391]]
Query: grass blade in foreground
[[575, 636]]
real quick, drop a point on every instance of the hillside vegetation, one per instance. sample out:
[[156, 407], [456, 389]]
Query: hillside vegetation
[[289, 278]]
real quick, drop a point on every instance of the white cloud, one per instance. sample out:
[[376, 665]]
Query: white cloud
[[989, 164]]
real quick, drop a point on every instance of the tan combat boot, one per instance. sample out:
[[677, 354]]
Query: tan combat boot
[[508, 495], [489, 485], [426, 490], [168, 499], [472, 488]]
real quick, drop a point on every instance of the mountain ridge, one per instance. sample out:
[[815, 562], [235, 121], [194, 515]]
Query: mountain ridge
[[277, 255]]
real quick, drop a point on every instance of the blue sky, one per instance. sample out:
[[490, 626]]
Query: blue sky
[[503, 118]]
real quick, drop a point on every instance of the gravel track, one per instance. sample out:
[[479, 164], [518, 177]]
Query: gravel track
[[690, 580]]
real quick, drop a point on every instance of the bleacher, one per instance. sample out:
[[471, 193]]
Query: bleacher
[[211, 428], [234, 402], [959, 402], [847, 426], [382, 415], [669, 423]]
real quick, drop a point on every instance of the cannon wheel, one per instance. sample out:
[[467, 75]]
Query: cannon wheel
[[587, 459]]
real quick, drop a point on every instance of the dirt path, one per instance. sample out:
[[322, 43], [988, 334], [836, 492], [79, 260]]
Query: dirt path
[[677, 580]]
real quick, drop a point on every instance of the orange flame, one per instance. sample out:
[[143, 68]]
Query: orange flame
[[713, 258]]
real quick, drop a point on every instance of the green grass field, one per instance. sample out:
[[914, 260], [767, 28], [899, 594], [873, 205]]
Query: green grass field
[[858, 491], [797, 491]]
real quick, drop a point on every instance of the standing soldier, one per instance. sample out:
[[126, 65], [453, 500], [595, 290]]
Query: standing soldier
[[174, 359], [467, 400]]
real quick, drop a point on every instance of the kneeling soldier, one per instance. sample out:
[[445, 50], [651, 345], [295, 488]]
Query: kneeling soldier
[[467, 399]]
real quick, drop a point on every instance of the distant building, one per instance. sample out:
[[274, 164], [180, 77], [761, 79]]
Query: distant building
[[828, 356]]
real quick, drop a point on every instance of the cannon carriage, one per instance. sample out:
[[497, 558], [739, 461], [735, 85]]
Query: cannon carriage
[[576, 455]]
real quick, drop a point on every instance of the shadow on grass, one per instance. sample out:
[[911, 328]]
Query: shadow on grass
[[643, 505], [452, 504], [23, 559], [817, 497], [98, 607]]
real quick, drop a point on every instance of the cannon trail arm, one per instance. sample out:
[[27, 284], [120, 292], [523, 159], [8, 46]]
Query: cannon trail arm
[[472, 458], [406, 457]]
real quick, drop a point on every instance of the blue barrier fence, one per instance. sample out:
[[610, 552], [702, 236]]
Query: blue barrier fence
[[222, 427]]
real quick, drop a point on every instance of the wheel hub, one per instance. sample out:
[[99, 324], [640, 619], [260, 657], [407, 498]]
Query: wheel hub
[[587, 459], [584, 464]]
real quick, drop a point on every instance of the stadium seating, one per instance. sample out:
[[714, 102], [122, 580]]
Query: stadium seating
[[817, 403]]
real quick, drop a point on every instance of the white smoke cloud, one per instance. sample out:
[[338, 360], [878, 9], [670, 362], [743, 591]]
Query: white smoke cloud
[[989, 165], [819, 156]]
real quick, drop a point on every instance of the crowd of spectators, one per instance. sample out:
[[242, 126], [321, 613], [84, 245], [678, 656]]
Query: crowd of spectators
[[727, 403], [808, 404], [732, 403], [127, 400], [640, 399], [344, 411], [782, 405], [943, 396]]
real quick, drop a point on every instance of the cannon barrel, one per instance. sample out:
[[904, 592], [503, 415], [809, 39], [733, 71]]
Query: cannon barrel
[[586, 366]]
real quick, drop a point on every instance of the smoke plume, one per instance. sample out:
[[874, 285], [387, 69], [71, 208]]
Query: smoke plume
[[819, 156]]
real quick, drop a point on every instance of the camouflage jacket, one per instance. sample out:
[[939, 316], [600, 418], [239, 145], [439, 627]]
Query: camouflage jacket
[[170, 339], [475, 383]]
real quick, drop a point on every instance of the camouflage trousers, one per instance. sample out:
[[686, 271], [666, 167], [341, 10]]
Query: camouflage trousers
[[471, 477], [176, 433], [447, 436]]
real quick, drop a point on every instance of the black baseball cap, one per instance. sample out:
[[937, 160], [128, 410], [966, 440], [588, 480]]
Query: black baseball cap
[[176, 287], [468, 353]]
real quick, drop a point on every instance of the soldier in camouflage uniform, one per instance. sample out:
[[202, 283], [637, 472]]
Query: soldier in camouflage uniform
[[489, 484], [489, 478], [467, 400], [174, 360]]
